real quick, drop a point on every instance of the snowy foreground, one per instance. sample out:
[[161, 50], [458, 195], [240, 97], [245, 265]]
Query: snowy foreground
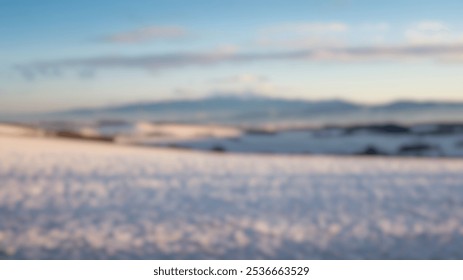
[[66, 199]]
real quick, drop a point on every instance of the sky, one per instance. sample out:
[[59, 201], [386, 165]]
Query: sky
[[56, 54]]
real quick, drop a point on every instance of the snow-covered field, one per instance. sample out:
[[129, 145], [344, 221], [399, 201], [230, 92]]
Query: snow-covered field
[[68, 199]]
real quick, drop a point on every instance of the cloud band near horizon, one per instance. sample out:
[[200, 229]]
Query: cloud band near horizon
[[158, 62]]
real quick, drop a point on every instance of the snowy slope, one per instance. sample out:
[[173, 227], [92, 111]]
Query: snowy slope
[[70, 199], [17, 130]]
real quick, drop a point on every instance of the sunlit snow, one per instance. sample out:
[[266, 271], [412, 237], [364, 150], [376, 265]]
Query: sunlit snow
[[68, 199]]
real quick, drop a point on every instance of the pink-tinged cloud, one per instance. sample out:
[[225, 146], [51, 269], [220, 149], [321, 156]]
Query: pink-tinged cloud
[[241, 79], [151, 33]]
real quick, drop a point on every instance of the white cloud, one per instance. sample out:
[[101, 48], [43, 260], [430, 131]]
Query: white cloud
[[147, 34], [376, 27], [303, 35], [242, 79], [432, 32], [308, 27], [302, 42], [431, 26]]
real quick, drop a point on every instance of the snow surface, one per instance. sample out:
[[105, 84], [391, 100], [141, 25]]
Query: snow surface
[[16, 130], [66, 199]]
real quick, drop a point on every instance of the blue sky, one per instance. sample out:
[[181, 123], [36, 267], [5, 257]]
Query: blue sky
[[64, 54]]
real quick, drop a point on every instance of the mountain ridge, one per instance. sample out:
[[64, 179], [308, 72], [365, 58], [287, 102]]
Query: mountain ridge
[[227, 108]]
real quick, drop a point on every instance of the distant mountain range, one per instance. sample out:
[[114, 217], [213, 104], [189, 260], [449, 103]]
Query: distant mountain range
[[258, 109]]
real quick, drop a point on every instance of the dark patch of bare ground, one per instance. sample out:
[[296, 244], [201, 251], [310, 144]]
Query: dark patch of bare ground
[[78, 136]]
